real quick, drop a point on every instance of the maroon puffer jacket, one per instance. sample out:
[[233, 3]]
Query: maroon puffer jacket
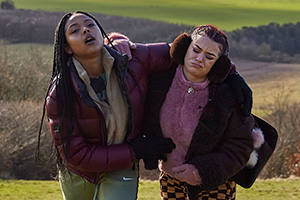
[[89, 155]]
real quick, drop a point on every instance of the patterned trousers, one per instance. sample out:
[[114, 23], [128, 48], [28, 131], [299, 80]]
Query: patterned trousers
[[173, 189]]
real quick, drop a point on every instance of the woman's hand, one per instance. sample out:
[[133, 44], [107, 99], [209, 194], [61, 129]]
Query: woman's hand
[[121, 43], [187, 173], [124, 47]]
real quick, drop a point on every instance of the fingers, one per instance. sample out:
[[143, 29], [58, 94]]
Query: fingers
[[132, 45], [124, 47], [179, 169], [121, 49], [180, 176], [127, 50]]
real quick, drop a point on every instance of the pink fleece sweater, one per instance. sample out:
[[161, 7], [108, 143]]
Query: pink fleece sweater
[[179, 116]]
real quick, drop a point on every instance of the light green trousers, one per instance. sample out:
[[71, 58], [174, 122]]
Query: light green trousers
[[122, 184]]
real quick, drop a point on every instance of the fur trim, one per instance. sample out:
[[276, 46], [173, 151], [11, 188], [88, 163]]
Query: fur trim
[[252, 159], [179, 48], [220, 70], [258, 139]]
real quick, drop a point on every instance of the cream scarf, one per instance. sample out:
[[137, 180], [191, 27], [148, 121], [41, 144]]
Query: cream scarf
[[116, 112]]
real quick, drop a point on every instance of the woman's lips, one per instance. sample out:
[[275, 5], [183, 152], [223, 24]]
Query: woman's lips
[[196, 65], [89, 39]]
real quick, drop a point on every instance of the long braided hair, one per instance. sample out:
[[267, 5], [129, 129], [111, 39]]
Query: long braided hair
[[61, 78]]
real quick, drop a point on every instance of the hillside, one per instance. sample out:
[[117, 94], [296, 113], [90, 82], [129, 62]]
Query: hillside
[[269, 43], [39, 27], [228, 15]]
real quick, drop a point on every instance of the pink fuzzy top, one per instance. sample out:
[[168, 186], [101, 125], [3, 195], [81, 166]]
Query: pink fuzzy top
[[179, 116]]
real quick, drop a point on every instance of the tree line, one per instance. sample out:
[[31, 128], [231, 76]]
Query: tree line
[[273, 43]]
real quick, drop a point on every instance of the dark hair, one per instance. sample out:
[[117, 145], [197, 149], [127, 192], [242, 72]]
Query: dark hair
[[61, 78], [214, 34]]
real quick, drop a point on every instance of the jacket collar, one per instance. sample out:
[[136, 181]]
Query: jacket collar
[[121, 62], [107, 62]]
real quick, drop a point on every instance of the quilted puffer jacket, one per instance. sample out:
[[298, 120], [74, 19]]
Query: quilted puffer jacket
[[89, 155]]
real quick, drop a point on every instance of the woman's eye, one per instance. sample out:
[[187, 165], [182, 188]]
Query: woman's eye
[[195, 50], [209, 58], [91, 25], [74, 31]]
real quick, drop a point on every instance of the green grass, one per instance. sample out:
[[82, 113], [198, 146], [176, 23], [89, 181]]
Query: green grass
[[228, 15], [273, 189]]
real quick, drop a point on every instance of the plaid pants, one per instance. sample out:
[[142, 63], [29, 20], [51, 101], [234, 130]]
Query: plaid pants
[[173, 189]]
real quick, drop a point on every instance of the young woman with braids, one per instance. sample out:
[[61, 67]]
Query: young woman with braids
[[94, 107], [196, 108]]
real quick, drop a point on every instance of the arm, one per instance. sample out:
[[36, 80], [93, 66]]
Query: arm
[[242, 91], [87, 155], [91, 157], [230, 156], [83, 154], [155, 55]]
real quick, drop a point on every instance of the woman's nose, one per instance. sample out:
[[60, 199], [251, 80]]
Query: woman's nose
[[199, 57], [86, 30]]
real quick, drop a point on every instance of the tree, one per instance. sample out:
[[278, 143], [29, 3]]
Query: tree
[[7, 5]]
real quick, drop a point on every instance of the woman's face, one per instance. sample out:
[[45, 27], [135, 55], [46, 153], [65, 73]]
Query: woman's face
[[199, 58], [83, 36]]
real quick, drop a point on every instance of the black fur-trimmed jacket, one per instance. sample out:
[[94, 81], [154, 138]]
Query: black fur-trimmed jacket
[[222, 141]]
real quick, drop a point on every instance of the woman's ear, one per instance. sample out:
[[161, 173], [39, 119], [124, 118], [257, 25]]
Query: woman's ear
[[220, 70], [68, 49], [179, 48]]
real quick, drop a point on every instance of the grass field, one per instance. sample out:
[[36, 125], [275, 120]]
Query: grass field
[[273, 189], [228, 15]]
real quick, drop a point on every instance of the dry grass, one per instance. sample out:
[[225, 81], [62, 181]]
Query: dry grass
[[268, 80]]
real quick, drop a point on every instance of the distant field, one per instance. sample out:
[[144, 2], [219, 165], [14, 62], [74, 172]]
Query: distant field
[[228, 15], [270, 81], [273, 189]]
